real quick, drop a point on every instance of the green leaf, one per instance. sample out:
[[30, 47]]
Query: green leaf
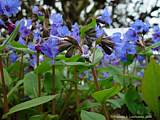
[[97, 56], [76, 63], [44, 67], [7, 78], [31, 84], [151, 87], [14, 88], [71, 59], [20, 47], [91, 116], [103, 95], [134, 102], [88, 105], [11, 37], [29, 104], [148, 50], [87, 27]]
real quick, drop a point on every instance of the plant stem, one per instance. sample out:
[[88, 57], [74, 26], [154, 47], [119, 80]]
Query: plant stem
[[40, 108], [38, 75], [124, 79], [5, 100], [94, 73], [21, 70], [76, 88], [104, 108], [53, 89]]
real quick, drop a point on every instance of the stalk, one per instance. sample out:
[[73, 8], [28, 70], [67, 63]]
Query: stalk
[[94, 73], [53, 89], [124, 79], [21, 70], [104, 107], [38, 75], [4, 88], [39, 81], [76, 88]]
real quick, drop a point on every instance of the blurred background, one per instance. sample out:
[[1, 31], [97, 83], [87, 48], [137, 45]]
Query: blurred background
[[123, 12]]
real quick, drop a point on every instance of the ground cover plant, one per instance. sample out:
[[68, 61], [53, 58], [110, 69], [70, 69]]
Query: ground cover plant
[[54, 69]]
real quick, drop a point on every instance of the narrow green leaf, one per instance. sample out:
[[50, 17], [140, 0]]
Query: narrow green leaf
[[87, 27], [31, 84], [11, 37], [151, 87], [102, 95], [20, 47], [97, 56], [44, 66], [29, 104], [14, 88], [77, 63], [7, 78], [91, 116], [148, 50]]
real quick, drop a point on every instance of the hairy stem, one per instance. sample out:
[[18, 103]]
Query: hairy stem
[[95, 77], [104, 107], [76, 87], [38, 75], [21, 70], [53, 89], [94, 73], [4, 89], [40, 108]]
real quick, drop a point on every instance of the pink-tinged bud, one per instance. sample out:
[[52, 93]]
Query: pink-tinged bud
[[10, 27], [38, 47]]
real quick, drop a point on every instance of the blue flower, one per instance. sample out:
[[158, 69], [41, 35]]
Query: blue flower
[[110, 59], [63, 31], [36, 11], [1, 10], [116, 37], [49, 48], [53, 30], [130, 49], [156, 37], [33, 60], [9, 7], [25, 27], [99, 31], [105, 74], [2, 23], [105, 17], [56, 19], [156, 28], [75, 32], [131, 35], [140, 27], [13, 57], [21, 40], [37, 35]]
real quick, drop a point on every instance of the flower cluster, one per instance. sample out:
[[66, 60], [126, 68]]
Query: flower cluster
[[52, 35]]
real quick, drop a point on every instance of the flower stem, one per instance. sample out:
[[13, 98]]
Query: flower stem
[[76, 88], [5, 100], [104, 108], [21, 70], [38, 75], [53, 89], [94, 73], [40, 108]]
